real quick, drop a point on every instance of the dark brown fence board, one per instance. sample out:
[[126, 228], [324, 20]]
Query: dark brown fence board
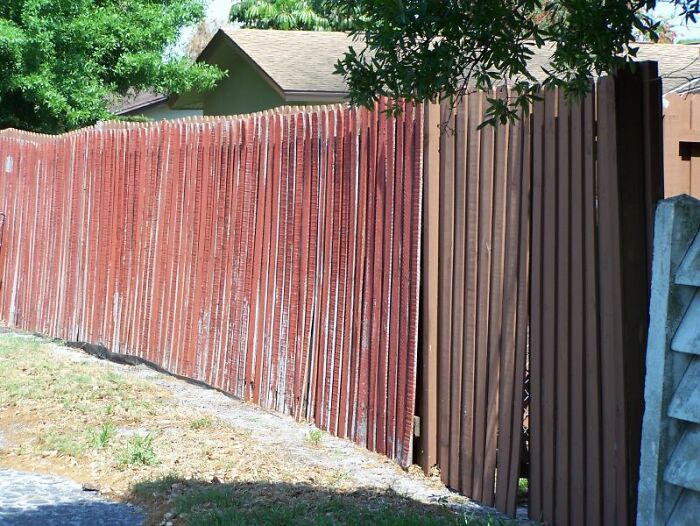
[[428, 358], [614, 508], [510, 292], [458, 278], [466, 443], [445, 294], [522, 318], [486, 185], [495, 305], [575, 490], [563, 305], [549, 354], [593, 409], [536, 323]]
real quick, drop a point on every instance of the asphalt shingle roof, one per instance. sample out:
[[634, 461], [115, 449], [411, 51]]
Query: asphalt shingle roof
[[304, 61], [296, 60], [679, 64]]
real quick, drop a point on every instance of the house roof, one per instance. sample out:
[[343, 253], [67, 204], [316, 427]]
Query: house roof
[[136, 101], [300, 65], [679, 64], [296, 61]]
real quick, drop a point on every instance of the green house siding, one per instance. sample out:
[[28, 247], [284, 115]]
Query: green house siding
[[244, 90]]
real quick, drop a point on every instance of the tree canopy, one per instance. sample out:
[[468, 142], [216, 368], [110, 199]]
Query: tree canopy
[[63, 61], [308, 15], [424, 49]]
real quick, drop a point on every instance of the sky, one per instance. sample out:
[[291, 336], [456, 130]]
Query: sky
[[218, 10], [668, 11]]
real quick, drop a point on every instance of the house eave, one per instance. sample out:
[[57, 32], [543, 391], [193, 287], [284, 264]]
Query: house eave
[[327, 97]]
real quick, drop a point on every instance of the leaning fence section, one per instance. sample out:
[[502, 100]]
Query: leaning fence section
[[274, 256], [475, 299], [536, 258]]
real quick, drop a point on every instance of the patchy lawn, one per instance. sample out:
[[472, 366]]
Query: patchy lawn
[[191, 455]]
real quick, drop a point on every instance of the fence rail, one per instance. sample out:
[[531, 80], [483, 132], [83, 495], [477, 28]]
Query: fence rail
[[274, 256]]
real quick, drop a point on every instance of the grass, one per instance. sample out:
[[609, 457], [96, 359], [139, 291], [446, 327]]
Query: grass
[[314, 437], [158, 487], [62, 415], [248, 504], [138, 451], [28, 373], [200, 503], [201, 423], [100, 437], [62, 443]]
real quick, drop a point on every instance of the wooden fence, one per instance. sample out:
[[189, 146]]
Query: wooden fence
[[682, 144], [540, 229], [278, 257], [273, 256]]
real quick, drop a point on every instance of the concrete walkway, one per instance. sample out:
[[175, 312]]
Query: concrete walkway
[[28, 499]]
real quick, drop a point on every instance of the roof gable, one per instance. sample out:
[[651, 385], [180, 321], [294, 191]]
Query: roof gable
[[296, 62]]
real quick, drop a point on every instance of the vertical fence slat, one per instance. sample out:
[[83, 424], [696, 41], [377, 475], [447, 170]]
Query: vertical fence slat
[[563, 317], [458, 278], [445, 288], [576, 493], [430, 255], [495, 305], [484, 250], [466, 443], [536, 328]]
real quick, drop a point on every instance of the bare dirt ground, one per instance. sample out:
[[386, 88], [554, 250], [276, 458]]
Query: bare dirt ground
[[191, 455]]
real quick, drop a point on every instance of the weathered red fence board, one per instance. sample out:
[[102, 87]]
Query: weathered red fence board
[[274, 256]]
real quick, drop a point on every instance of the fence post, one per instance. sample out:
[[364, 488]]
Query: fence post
[[639, 118]]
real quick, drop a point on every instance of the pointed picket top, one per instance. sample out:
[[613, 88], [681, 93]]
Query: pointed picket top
[[684, 467], [685, 404], [687, 337], [689, 270]]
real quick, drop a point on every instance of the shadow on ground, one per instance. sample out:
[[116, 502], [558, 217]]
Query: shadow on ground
[[199, 503], [79, 513]]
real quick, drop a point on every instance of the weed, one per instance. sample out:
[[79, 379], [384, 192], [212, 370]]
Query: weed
[[201, 423], [99, 438], [137, 452], [337, 476], [522, 487], [314, 437]]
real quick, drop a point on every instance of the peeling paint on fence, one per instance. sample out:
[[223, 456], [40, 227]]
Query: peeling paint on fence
[[274, 256]]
